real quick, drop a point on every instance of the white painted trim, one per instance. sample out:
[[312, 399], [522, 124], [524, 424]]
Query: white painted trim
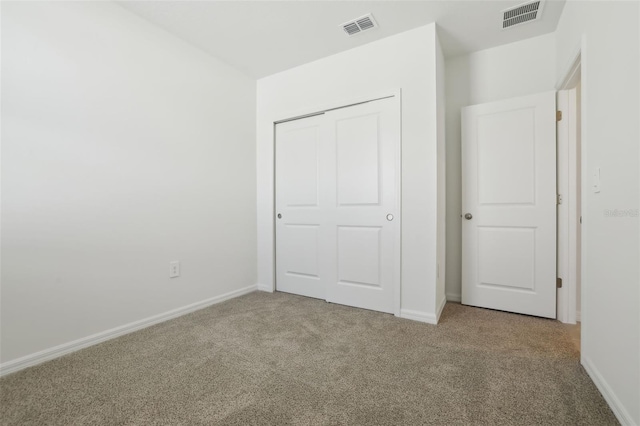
[[623, 416], [567, 297], [567, 221], [571, 68], [292, 114], [418, 316], [67, 348], [584, 285], [454, 297], [578, 316], [573, 207], [264, 287], [562, 218], [397, 279], [440, 308]]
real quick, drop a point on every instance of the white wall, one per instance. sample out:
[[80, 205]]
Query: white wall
[[578, 90], [442, 170], [503, 72], [611, 111], [405, 61], [122, 148]]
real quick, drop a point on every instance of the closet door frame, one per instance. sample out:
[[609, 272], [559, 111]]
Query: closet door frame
[[281, 117]]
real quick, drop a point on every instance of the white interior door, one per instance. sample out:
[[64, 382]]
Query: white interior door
[[365, 221], [337, 206], [509, 205], [301, 207]]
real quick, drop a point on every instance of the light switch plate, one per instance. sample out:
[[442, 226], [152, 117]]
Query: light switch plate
[[596, 180], [174, 269]]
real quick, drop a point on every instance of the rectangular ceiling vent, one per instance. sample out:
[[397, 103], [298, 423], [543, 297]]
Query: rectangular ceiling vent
[[359, 25], [526, 12]]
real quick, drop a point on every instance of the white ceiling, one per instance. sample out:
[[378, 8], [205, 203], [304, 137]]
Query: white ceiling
[[265, 37]]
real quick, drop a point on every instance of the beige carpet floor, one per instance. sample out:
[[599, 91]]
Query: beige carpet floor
[[280, 359]]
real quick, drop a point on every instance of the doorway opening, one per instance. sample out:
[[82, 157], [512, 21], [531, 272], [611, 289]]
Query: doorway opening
[[570, 195]]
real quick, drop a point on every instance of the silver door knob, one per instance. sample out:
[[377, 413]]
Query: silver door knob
[[468, 216], [279, 216], [389, 217]]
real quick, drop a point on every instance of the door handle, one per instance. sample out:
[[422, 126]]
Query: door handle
[[468, 216], [279, 216], [389, 217]]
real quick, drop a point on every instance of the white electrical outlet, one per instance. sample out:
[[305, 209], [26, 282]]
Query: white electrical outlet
[[174, 269]]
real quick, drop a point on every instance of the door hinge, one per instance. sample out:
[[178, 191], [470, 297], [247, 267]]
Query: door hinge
[[559, 282], [559, 199], [558, 115]]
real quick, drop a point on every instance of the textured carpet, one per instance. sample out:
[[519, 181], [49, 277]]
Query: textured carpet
[[281, 359]]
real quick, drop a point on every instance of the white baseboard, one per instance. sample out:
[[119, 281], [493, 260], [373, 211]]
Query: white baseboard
[[440, 308], [265, 287], [418, 316], [454, 297], [616, 406], [66, 348]]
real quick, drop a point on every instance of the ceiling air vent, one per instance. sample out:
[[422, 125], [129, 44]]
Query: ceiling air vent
[[526, 12], [356, 26]]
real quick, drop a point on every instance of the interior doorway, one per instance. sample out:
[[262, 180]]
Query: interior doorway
[[566, 301], [569, 178]]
